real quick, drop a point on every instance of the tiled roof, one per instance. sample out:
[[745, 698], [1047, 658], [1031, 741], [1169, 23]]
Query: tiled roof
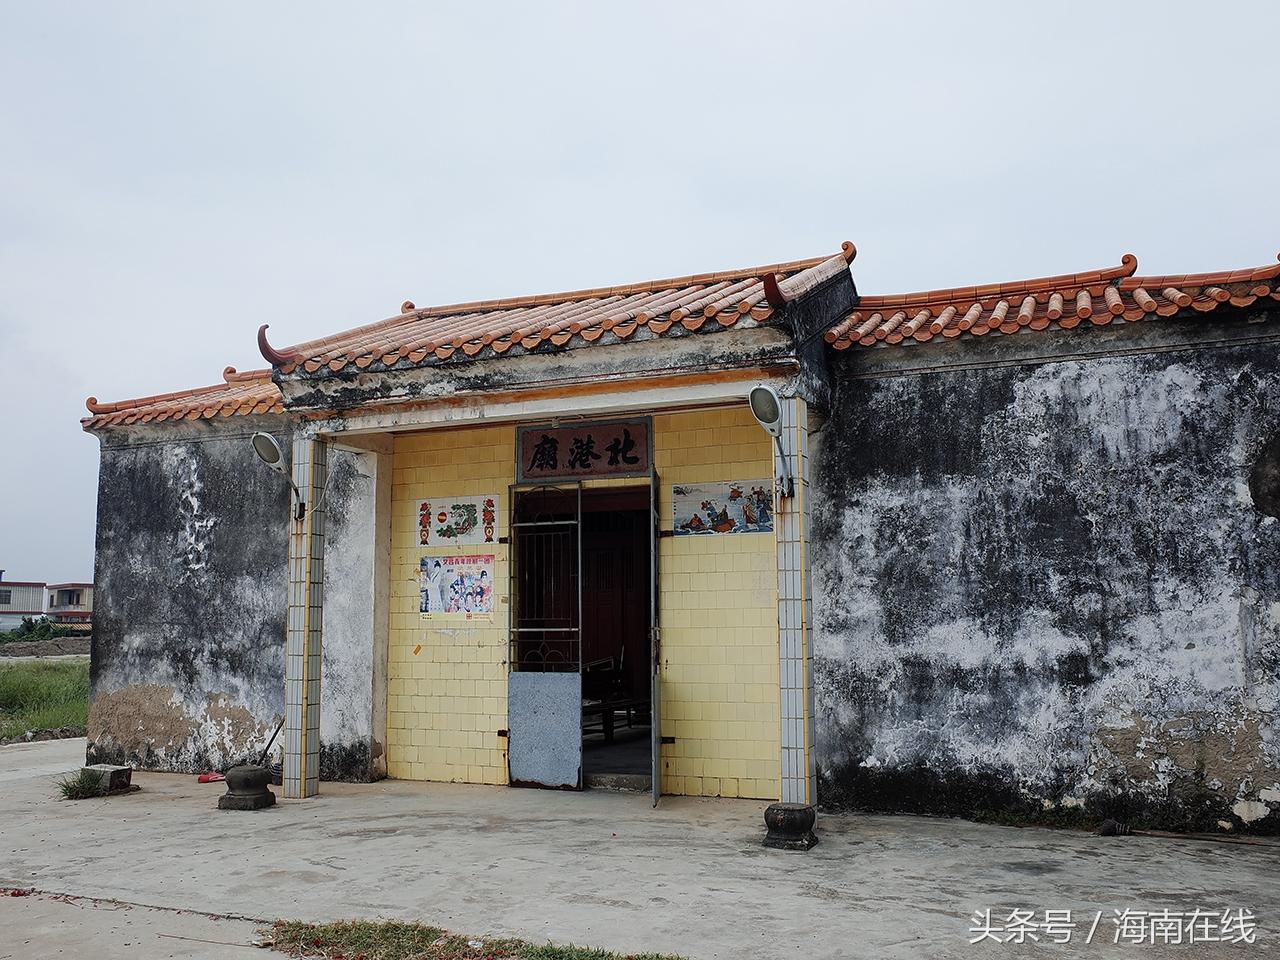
[[241, 393], [493, 327], [1099, 297]]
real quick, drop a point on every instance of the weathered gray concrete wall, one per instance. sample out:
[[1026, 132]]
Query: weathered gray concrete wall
[[192, 558], [192, 554], [1043, 586], [352, 747]]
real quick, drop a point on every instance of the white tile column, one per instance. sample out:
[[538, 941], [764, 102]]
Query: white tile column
[[799, 779], [303, 639]]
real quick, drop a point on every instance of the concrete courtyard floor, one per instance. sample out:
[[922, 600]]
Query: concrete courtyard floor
[[598, 869]]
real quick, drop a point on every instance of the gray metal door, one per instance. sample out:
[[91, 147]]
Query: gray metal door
[[544, 691], [655, 643]]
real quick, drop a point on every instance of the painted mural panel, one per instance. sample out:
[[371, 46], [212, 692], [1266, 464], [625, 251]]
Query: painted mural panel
[[456, 587], [708, 509], [461, 521], [584, 450]]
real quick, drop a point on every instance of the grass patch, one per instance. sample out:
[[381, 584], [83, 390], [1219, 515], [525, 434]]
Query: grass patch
[[80, 785], [394, 940], [42, 696]]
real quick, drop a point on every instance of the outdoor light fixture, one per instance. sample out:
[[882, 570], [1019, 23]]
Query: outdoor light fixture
[[268, 451], [767, 409]]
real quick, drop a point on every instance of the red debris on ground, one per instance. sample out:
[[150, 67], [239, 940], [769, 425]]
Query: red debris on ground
[[15, 892], [210, 778]]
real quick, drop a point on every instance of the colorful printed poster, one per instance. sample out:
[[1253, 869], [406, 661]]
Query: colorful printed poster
[[464, 521], [456, 588], [711, 508]]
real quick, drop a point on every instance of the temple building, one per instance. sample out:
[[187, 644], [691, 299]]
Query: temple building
[[1005, 548]]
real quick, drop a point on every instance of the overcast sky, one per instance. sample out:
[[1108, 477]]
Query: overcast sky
[[171, 176]]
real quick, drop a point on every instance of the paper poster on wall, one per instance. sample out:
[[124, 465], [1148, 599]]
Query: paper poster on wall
[[465, 521], [713, 508], [456, 587]]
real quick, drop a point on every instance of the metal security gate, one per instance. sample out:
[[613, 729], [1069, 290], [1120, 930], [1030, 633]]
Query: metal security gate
[[544, 700]]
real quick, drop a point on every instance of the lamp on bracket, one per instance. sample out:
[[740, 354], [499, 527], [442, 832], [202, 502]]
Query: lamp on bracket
[[767, 409], [269, 452]]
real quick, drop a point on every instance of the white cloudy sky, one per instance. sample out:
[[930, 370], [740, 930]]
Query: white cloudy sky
[[171, 176]]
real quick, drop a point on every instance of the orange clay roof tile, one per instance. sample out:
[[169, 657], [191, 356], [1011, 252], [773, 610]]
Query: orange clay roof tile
[[1065, 300], [241, 393], [426, 335]]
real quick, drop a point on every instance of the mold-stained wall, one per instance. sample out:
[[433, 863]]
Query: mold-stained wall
[[719, 618], [1043, 584], [447, 681], [187, 658], [352, 722], [187, 669]]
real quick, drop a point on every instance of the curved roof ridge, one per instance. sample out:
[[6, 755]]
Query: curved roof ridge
[[431, 337], [1065, 300], [1128, 265], [250, 392]]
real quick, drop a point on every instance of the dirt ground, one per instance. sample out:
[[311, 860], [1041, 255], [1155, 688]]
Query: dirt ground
[[591, 868], [57, 647]]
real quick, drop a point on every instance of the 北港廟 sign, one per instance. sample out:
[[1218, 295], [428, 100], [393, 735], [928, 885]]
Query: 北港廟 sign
[[616, 449]]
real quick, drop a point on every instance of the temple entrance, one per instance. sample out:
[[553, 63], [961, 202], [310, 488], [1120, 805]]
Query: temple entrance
[[615, 639], [581, 702]]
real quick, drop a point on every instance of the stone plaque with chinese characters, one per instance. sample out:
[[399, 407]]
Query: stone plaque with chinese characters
[[616, 449]]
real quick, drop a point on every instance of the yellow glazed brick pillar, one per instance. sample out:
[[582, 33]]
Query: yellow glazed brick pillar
[[795, 611], [718, 613], [447, 680]]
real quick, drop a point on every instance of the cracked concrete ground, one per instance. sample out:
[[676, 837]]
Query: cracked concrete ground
[[592, 868]]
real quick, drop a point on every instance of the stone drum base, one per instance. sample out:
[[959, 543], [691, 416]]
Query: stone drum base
[[790, 826], [247, 789]]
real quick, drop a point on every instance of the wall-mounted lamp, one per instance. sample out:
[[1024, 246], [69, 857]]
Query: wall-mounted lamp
[[767, 409], [268, 451]]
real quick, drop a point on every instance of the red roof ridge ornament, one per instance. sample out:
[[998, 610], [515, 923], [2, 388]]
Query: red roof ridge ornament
[[772, 292], [407, 307], [93, 406], [270, 353], [849, 251]]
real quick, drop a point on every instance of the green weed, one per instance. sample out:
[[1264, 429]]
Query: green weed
[[80, 785]]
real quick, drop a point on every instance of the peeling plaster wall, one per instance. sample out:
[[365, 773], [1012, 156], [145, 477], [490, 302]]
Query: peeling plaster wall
[[187, 667], [188, 642], [350, 746], [1043, 586]]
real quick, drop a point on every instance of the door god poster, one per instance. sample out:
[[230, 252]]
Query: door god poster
[[456, 588]]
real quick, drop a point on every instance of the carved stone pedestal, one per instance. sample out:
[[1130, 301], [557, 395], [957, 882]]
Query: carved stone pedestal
[[790, 826], [247, 789]]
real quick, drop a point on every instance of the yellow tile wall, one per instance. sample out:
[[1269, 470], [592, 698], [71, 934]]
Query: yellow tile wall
[[719, 616], [446, 702], [717, 609]]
